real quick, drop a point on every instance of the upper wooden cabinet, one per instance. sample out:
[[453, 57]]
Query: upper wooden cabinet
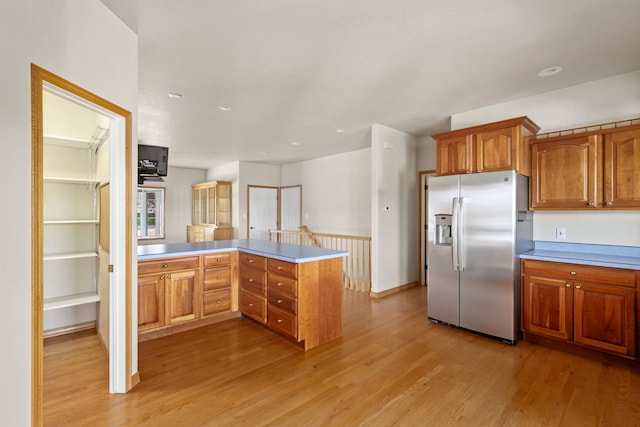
[[587, 170], [212, 203], [211, 212], [491, 147]]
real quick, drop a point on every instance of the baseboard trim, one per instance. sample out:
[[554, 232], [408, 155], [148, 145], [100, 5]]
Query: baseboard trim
[[50, 333], [393, 290]]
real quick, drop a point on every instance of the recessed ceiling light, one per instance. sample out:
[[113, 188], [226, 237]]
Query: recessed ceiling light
[[549, 71], [175, 95], [225, 107], [340, 130], [295, 143]]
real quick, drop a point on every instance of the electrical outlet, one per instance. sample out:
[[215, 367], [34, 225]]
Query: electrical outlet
[[561, 233]]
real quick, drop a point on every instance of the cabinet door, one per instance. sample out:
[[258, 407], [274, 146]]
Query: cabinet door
[[150, 301], [605, 317], [566, 173], [548, 307], [181, 296], [497, 150], [454, 156], [622, 169]]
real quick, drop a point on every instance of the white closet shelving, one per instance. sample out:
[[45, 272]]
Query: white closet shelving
[[70, 222]]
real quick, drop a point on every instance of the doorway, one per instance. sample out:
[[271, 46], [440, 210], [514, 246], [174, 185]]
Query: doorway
[[118, 253], [277, 208]]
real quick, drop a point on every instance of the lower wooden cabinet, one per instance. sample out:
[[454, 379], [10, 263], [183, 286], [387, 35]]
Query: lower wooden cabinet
[[586, 305], [167, 298]]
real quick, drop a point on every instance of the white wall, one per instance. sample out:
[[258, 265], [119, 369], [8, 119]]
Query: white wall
[[177, 201], [426, 153], [601, 101], [394, 236], [336, 192], [82, 41]]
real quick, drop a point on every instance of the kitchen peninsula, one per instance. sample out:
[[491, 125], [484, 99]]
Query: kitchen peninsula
[[293, 290]]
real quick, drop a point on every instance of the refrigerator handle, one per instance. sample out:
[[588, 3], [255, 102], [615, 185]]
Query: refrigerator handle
[[460, 232], [454, 234]]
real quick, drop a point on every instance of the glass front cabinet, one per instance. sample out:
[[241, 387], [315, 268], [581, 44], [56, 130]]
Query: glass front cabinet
[[211, 212]]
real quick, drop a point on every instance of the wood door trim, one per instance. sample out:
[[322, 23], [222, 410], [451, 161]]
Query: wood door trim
[[39, 77]]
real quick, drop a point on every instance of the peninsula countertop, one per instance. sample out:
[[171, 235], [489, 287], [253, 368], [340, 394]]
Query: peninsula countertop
[[282, 251], [587, 254]]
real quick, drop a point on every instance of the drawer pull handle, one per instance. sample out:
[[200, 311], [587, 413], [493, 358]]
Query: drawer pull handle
[[161, 277], [250, 280], [608, 203], [279, 268], [218, 302], [168, 276], [573, 273], [218, 278], [250, 305], [279, 320], [578, 286], [218, 259], [250, 260], [165, 265], [280, 301], [568, 285], [591, 204], [279, 284]]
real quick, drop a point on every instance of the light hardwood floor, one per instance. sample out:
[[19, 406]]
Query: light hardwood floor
[[391, 368]]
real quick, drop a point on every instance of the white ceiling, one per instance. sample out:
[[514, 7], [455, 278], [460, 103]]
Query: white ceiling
[[297, 70]]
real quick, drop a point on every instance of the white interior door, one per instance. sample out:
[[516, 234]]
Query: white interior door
[[290, 208], [263, 211]]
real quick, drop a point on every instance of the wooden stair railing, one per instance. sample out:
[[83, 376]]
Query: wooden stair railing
[[356, 267]]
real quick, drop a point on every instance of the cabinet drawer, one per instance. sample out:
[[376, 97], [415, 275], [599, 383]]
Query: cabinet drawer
[[253, 306], [216, 278], [167, 264], [590, 273], [253, 280], [212, 260], [283, 268], [282, 322], [283, 302], [253, 261], [216, 302], [282, 284]]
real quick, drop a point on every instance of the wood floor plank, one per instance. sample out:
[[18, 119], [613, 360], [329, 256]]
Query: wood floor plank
[[391, 368]]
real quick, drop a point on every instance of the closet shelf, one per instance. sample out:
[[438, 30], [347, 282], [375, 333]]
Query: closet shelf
[[71, 255], [63, 180], [71, 221], [70, 301]]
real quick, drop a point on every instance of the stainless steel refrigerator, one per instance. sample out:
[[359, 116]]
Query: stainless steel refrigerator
[[477, 225]]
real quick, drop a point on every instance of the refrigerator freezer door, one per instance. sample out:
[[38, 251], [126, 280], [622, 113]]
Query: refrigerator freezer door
[[487, 288], [442, 284]]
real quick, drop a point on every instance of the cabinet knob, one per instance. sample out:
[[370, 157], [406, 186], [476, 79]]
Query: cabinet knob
[[280, 301], [250, 305], [279, 320], [278, 284], [250, 280], [573, 273], [218, 302], [165, 265], [218, 278], [279, 268], [568, 285], [608, 203], [591, 204], [161, 277], [578, 286], [168, 276], [218, 259], [250, 260]]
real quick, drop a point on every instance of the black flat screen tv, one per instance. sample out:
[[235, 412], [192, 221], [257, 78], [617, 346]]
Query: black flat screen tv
[[152, 160]]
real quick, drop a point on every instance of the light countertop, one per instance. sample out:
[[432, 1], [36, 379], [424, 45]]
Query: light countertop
[[282, 251], [576, 253]]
